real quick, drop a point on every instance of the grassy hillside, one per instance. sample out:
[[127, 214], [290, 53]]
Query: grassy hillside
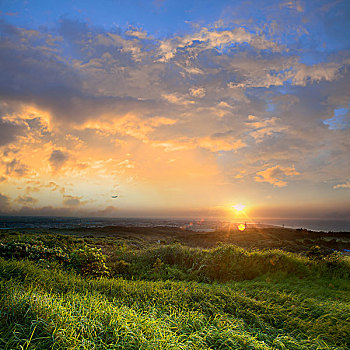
[[156, 298]]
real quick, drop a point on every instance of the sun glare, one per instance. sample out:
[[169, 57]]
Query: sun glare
[[241, 227], [239, 207]]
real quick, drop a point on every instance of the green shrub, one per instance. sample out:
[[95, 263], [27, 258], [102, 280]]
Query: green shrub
[[224, 263], [158, 264], [119, 267], [32, 251], [89, 262], [317, 253]]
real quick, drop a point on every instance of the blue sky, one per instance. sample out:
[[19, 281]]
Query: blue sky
[[322, 22], [169, 102], [158, 17]]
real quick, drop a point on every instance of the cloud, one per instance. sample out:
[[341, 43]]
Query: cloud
[[55, 187], [26, 200], [61, 88], [305, 74], [263, 128], [71, 201], [152, 113], [219, 142], [275, 175], [4, 203], [343, 185], [177, 99], [293, 4], [212, 38], [108, 211], [197, 92], [58, 158], [45, 211], [340, 121], [16, 168], [9, 131]]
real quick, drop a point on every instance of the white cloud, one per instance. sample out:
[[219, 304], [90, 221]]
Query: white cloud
[[214, 38], [305, 74]]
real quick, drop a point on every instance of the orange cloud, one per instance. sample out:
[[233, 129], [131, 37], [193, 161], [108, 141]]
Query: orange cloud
[[220, 144], [263, 128], [275, 175], [344, 185]]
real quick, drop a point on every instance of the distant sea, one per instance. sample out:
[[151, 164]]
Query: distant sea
[[312, 224], [189, 224]]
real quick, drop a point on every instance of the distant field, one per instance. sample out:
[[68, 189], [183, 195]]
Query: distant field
[[62, 292]]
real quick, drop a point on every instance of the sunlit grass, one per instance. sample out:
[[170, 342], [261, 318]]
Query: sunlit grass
[[52, 309]]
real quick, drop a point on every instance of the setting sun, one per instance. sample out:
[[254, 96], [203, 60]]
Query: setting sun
[[239, 207]]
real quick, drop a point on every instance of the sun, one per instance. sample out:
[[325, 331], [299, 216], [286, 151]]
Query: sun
[[239, 207]]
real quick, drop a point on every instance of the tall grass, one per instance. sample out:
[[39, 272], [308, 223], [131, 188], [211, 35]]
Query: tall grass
[[52, 309], [223, 263]]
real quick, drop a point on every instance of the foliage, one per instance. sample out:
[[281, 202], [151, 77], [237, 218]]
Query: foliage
[[89, 262], [32, 251], [224, 263], [317, 253], [119, 268], [86, 260], [157, 264]]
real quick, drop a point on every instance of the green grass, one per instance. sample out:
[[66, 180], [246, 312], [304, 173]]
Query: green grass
[[55, 309], [223, 263]]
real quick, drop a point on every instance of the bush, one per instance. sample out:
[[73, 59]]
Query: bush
[[89, 262], [32, 251], [223, 263], [119, 267], [317, 253]]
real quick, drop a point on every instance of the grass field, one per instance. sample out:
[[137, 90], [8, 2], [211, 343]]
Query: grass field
[[251, 300]]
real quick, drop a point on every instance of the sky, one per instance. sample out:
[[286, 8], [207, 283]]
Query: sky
[[181, 108]]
